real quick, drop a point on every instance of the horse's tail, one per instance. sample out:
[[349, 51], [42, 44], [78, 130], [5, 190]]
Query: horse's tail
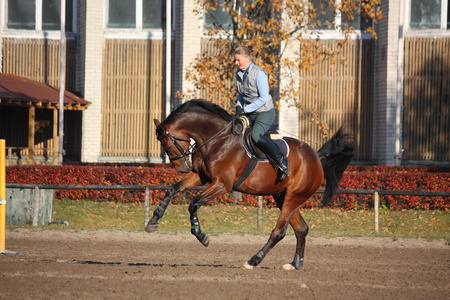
[[335, 155]]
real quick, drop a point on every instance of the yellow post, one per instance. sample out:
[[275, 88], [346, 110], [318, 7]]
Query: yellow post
[[2, 194], [3, 200]]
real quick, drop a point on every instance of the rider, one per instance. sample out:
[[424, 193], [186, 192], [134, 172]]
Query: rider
[[256, 103]]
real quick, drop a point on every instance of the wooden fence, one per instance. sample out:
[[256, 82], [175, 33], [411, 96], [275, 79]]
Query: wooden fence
[[426, 117], [214, 94], [38, 59], [133, 93], [342, 94]]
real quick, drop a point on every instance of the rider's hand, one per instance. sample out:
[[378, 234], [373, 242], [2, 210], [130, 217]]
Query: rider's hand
[[239, 111]]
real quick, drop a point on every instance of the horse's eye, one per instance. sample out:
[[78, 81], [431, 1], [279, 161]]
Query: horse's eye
[[168, 148]]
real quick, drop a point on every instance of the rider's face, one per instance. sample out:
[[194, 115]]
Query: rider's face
[[241, 61]]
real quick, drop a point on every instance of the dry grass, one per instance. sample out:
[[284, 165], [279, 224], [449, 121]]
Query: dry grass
[[231, 219]]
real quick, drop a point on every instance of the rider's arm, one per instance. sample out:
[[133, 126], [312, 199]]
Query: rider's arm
[[240, 101]]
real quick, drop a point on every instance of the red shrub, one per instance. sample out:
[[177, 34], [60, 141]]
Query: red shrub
[[356, 177]]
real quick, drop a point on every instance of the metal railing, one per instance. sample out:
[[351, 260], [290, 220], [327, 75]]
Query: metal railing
[[148, 188]]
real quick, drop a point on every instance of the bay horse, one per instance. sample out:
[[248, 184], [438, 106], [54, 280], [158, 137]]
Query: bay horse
[[217, 159]]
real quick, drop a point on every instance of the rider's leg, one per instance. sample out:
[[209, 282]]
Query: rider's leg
[[275, 155], [263, 121]]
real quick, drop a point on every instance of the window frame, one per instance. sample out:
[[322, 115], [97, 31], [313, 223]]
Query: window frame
[[139, 32], [37, 31]]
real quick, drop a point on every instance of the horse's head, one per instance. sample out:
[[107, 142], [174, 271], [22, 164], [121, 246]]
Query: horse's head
[[196, 117], [176, 144]]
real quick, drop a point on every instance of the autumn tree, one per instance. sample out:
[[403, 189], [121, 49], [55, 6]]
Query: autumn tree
[[273, 28]]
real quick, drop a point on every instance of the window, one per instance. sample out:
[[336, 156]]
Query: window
[[448, 16], [219, 18], [51, 15], [154, 14], [329, 19], [136, 14], [429, 14], [122, 14], [23, 14], [325, 15]]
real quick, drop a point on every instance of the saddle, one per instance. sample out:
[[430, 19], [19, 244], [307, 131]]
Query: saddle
[[241, 127], [253, 151]]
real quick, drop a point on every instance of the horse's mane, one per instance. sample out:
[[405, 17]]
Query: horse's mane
[[195, 103]]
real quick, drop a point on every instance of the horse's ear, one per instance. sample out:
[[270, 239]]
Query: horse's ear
[[157, 123]]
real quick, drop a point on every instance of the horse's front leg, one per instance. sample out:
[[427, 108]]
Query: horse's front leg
[[189, 181], [214, 190], [301, 230]]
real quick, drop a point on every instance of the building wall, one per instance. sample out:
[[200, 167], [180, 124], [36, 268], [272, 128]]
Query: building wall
[[187, 35], [187, 45], [288, 116], [90, 58], [386, 96], [91, 35]]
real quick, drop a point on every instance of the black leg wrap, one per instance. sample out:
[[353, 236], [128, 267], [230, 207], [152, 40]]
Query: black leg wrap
[[297, 262], [197, 231], [256, 259], [203, 238], [157, 214]]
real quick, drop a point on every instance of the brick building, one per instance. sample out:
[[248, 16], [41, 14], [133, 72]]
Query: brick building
[[395, 98]]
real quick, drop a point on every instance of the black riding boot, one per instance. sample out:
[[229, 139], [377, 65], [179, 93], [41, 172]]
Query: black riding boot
[[275, 156]]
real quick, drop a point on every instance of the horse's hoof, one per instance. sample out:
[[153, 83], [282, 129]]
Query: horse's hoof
[[247, 266], [151, 228], [288, 267], [205, 241]]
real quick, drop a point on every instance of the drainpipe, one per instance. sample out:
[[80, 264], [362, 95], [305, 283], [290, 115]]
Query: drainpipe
[[168, 56], [399, 96], [62, 84]]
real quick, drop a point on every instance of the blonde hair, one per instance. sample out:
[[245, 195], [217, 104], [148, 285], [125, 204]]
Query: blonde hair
[[244, 51]]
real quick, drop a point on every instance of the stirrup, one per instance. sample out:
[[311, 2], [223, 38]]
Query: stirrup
[[282, 174]]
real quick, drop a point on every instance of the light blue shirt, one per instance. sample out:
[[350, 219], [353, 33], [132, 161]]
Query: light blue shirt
[[263, 90]]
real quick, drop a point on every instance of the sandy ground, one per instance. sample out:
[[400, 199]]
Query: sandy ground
[[114, 264]]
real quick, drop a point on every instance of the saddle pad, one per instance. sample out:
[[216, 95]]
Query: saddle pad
[[253, 151]]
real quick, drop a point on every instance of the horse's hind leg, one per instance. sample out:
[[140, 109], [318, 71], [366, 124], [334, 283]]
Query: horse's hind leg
[[301, 230], [289, 214], [277, 235]]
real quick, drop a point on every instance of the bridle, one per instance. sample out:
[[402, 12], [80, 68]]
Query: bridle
[[192, 148], [174, 140]]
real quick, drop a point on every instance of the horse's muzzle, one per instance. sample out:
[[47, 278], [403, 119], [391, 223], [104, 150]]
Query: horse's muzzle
[[184, 167]]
